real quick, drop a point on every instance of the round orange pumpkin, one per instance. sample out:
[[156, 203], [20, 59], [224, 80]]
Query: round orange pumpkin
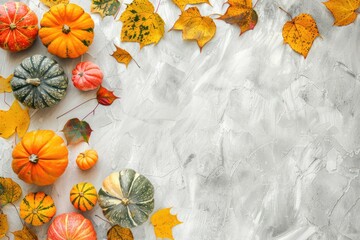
[[83, 196], [87, 76], [40, 158], [71, 226], [67, 30], [87, 159], [37, 208], [18, 26]]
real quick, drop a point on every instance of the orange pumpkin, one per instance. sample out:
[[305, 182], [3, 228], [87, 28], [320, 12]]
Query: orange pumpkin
[[18, 26], [40, 158], [87, 159], [87, 76], [67, 30], [37, 208], [83, 196], [71, 226]]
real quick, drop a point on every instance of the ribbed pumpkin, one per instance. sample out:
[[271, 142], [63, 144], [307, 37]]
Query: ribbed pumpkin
[[83, 196], [37, 208], [40, 158], [126, 198], [18, 26], [67, 30], [87, 159], [87, 76], [71, 226], [39, 82]]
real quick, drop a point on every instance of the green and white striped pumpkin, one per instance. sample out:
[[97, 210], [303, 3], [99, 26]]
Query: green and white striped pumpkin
[[126, 198], [39, 82]]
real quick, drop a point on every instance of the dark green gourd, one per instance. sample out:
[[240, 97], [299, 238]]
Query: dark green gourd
[[39, 82], [126, 198]]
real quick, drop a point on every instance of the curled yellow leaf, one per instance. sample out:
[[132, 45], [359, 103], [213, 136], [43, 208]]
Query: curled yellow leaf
[[4, 225], [5, 84], [117, 232], [15, 119], [10, 191], [195, 27], [344, 11], [51, 3], [25, 234], [182, 3]]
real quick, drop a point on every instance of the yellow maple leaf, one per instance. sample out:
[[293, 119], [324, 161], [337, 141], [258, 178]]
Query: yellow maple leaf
[[122, 56], [195, 27], [300, 33], [105, 7], [182, 3], [141, 24], [15, 119], [241, 13], [51, 3], [344, 11], [117, 232], [10, 191], [4, 225], [163, 222], [25, 234], [5, 84]]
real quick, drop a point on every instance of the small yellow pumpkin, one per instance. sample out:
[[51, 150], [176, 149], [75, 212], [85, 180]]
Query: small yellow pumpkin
[[83, 196], [37, 208], [87, 159]]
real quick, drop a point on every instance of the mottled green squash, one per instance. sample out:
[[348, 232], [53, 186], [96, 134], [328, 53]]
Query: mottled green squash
[[39, 82], [127, 198]]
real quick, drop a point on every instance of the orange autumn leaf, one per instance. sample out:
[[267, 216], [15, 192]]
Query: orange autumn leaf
[[241, 13], [122, 56], [163, 222], [344, 11], [300, 33], [4, 225], [5, 84], [25, 234], [195, 27], [105, 97], [182, 3], [15, 119], [117, 232]]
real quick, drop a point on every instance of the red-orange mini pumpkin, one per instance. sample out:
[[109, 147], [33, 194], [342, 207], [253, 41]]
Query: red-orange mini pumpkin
[[87, 76], [18, 26], [40, 158], [71, 226]]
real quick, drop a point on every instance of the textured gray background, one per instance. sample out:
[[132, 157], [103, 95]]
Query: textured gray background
[[246, 140]]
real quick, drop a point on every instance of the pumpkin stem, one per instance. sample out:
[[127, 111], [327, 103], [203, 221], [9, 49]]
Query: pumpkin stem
[[125, 201], [33, 158], [33, 81], [66, 29], [12, 26]]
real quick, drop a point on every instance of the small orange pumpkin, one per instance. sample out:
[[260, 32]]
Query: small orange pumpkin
[[87, 76], [67, 30], [40, 158], [87, 159], [37, 208], [83, 196]]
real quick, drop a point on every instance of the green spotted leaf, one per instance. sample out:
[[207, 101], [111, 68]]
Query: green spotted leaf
[[141, 24], [76, 131], [105, 7]]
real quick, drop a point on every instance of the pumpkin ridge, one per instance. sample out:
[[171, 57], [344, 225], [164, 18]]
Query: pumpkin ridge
[[130, 217], [78, 228], [40, 63], [49, 95], [89, 202]]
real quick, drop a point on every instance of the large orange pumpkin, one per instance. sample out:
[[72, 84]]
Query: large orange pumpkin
[[67, 30], [40, 158], [71, 226], [18, 26]]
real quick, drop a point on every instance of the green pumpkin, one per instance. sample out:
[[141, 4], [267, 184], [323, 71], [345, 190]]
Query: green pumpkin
[[39, 82], [126, 198]]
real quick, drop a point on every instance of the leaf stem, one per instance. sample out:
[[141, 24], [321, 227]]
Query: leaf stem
[[256, 3], [93, 111], [104, 219], [18, 214], [286, 12], [136, 63], [157, 8], [5, 100], [75, 107]]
